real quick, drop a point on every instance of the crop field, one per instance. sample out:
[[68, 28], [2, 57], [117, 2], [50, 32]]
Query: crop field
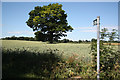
[[35, 59], [67, 49]]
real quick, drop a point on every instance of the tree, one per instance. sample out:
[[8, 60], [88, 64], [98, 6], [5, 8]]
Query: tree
[[50, 21], [112, 35], [13, 38], [103, 33], [65, 40], [93, 40], [80, 41]]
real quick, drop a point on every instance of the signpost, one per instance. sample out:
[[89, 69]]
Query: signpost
[[97, 22]]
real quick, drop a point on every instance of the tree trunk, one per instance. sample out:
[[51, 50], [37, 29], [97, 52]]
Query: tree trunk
[[51, 37]]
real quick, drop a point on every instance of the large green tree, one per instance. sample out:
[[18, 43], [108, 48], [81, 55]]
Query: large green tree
[[50, 21]]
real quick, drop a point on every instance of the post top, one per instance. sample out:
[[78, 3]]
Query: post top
[[98, 16]]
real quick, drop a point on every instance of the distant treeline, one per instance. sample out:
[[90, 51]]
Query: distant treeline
[[70, 41], [34, 39], [19, 38], [59, 41]]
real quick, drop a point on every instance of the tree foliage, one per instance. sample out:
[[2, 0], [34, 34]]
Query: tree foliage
[[103, 33], [50, 21], [112, 35]]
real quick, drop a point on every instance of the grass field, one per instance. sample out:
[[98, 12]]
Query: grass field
[[67, 49], [35, 59], [21, 59], [114, 44]]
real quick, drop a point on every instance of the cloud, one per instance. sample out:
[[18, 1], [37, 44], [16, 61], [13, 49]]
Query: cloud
[[110, 27], [14, 32], [86, 29], [89, 31], [20, 32], [94, 29], [80, 29]]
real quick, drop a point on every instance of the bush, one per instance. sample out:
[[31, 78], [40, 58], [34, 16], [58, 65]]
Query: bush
[[109, 59]]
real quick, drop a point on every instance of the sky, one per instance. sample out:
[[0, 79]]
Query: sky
[[80, 16]]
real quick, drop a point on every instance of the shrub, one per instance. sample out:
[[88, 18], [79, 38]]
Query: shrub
[[109, 59]]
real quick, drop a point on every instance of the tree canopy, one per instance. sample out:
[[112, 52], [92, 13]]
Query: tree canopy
[[49, 22]]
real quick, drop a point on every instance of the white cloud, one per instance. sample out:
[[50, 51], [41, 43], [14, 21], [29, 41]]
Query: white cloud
[[80, 29], [14, 32], [89, 31], [20, 32], [94, 29], [110, 27], [86, 29]]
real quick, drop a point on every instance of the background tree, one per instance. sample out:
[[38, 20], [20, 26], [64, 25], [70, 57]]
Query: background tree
[[50, 21], [113, 35], [103, 33], [93, 40], [80, 41]]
